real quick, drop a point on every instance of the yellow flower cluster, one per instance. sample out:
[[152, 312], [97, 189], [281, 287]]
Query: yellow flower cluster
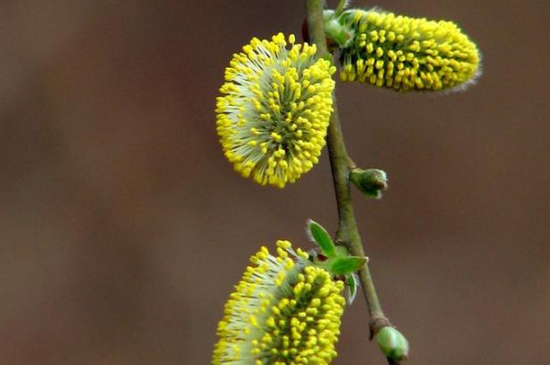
[[406, 53], [274, 110], [282, 312]]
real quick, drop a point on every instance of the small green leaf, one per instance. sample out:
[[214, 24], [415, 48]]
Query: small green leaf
[[320, 236], [342, 251], [352, 287], [341, 6], [345, 265]]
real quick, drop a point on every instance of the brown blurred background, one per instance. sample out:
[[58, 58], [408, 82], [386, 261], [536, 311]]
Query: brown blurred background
[[123, 228]]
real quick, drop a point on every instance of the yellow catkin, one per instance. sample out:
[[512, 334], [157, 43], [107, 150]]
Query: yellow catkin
[[281, 313], [274, 110], [407, 54]]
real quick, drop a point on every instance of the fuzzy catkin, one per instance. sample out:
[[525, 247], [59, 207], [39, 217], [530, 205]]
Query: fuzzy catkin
[[284, 310], [407, 54], [273, 114]]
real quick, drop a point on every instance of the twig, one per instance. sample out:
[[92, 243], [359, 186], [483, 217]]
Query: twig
[[347, 233]]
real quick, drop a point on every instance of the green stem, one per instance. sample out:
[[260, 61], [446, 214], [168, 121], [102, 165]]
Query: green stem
[[340, 7], [340, 162]]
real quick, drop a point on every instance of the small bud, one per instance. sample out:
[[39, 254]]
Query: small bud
[[370, 182], [393, 344], [335, 31]]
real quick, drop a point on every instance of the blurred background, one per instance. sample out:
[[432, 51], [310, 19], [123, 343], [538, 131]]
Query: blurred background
[[123, 228]]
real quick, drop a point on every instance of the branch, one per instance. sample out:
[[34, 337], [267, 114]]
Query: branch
[[347, 234]]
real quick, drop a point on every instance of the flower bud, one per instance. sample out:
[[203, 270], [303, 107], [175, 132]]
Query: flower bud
[[392, 343], [370, 182]]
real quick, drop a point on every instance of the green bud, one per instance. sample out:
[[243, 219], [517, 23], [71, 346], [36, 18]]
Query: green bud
[[370, 182], [392, 343], [335, 31]]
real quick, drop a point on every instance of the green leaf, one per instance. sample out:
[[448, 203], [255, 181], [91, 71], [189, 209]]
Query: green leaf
[[352, 287], [320, 236], [341, 6], [341, 251], [345, 265]]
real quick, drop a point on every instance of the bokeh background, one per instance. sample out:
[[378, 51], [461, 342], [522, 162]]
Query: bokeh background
[[123, 228]]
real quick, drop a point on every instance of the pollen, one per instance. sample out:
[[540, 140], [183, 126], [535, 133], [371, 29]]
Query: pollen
[[408, 54], [280, 313], [274, 109]]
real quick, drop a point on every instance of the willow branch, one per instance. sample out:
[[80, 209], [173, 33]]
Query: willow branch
[[347, 234]]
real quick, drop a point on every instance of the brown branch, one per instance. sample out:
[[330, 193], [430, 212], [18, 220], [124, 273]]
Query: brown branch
[[347, 234]]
